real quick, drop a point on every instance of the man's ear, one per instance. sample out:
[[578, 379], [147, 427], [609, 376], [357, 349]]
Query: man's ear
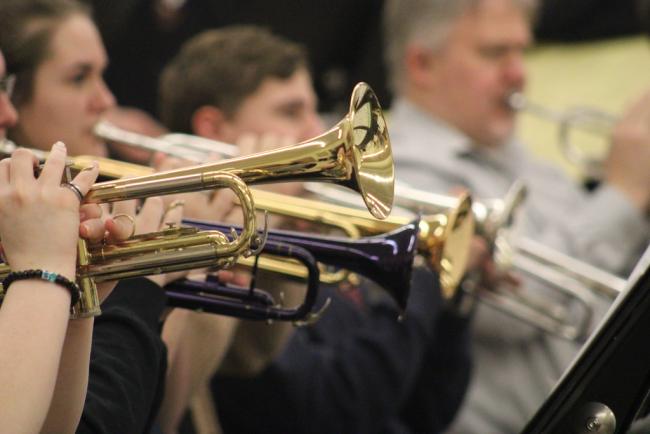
[[420, 65], [209, 122]]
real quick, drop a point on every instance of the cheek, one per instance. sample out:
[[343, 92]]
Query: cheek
[[287, 126], [476, 77], [270, 124], [53, 117], [291, 129], [466, 65], [41, 126], [57, 107], [481, 91]]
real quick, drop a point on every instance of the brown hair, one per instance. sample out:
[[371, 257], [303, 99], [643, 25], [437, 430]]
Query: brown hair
[[26, 28], [221, 68]]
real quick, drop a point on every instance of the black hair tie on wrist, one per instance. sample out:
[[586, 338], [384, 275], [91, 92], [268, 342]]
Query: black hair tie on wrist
[[47, 276]]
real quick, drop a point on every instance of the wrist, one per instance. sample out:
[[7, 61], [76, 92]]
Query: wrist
[[80, 326], [40, 275], [67, 270]]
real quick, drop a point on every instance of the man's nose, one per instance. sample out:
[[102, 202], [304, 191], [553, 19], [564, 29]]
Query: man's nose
[[514, 71]]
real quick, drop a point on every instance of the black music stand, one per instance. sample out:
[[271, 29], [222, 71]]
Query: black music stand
[[607, 386]]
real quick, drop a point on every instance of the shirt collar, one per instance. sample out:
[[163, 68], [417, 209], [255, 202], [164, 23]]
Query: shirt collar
[[447, 138]]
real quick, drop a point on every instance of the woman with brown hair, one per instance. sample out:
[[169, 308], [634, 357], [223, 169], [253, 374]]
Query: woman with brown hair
[[56, 54]]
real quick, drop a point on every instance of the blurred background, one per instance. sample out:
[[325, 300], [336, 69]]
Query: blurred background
[[591, 53]]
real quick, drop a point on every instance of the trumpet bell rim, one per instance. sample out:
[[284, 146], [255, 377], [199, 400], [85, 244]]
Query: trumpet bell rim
[[373, 157], [458, 236]]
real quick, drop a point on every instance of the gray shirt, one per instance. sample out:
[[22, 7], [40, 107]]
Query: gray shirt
[[516, 365]]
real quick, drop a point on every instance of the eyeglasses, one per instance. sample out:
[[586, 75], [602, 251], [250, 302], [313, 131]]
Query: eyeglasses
[[7, 84]]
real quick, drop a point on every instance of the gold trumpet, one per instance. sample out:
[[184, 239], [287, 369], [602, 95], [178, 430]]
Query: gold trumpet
[[573, 279], [108, 169], [443, 239], [355, 153], [169, 250]]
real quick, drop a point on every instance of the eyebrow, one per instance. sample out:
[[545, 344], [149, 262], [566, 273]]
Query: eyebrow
[[86, 67], [82, 66], [291, 104]]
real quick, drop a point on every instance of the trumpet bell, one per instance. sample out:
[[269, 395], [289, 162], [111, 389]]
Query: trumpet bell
[[457, 236], [372, 155], [355, 153], [386, 259], [435, 232]]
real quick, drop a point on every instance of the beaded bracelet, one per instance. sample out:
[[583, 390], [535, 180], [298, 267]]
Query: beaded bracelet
[[44, 275]]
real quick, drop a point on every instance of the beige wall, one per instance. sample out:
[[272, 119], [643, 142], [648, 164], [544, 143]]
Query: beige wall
[[599, 74]]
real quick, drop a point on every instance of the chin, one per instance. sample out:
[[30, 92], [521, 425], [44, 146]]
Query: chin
[[501, 133]]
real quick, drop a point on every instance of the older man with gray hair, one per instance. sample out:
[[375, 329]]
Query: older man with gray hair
[[453, 65]]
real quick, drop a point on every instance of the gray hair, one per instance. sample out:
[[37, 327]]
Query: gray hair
[[426, 22]]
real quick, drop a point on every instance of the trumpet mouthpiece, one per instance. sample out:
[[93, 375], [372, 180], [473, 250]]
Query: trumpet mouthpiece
[[516, 101]]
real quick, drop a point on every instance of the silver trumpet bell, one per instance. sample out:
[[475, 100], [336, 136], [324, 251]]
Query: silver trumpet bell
[[592, 121]]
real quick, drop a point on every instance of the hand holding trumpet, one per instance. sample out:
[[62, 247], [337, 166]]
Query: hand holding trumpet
[[39, 220], [626, 167]]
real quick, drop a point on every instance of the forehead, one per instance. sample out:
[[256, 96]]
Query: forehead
[[277, 90], [75, 40], [497, 21]]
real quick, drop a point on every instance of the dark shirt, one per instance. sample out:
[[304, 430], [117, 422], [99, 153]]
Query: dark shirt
[[127, 362], [358, 370]]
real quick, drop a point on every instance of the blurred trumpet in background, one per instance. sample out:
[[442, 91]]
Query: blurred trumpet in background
[[499, 222], [186, 146], [587, 155]]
